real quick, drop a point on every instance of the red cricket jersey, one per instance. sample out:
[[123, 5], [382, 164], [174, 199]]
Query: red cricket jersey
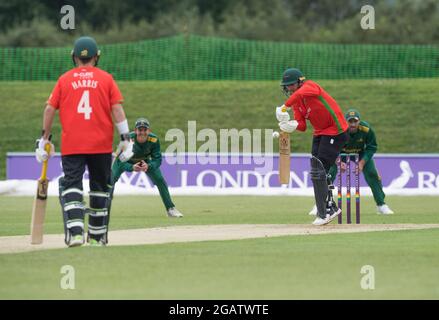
[[311, 102], [84, 96]]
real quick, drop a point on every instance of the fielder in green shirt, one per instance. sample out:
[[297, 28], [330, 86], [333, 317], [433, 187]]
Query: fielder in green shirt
[[362, 140], [147, 158]]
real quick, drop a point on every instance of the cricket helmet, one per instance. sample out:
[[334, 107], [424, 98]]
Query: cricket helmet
[[289, 77], [84, 48]]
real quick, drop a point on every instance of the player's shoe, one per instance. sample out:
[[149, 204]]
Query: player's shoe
[[321, 222], [333, 211], [384, 209], [313, 211], [174, 213], [96, 243], [76, 241]]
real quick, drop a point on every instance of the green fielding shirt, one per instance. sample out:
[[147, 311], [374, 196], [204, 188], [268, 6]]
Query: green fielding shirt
[[148, 151], [362, 142]]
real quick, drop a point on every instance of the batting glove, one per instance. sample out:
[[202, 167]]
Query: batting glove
[[41, 154], [288, 126], [282, 115]]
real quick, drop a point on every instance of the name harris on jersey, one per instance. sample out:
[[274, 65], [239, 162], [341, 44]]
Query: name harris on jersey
[[84, 80]]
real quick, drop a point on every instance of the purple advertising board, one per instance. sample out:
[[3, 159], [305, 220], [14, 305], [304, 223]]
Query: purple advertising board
[[397, 171]]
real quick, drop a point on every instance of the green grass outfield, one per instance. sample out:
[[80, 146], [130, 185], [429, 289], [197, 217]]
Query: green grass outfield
[[403, 112], [293, 267]]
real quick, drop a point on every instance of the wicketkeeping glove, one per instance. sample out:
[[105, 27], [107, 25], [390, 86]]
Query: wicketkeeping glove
[[288, 126], [41, 154], [282, 115]]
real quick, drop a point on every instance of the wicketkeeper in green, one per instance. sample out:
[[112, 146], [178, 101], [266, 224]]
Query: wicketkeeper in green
[[147, 158], [362, 140]]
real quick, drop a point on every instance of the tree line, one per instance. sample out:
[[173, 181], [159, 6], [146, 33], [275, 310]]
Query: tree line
[[37, 23]]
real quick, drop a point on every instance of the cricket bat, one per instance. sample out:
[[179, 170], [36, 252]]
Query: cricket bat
[[284, 157], [39, 207]]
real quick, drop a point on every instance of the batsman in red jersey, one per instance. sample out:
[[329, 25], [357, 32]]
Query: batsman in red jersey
[[311, 102], [88, 99]]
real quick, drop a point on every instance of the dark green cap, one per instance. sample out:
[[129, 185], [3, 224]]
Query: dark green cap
[[85, 47], [290, 76], [142, 123], [352, 114]]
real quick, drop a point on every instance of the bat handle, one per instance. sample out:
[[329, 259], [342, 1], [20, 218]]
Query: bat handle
[[47, 147], [44, 169]]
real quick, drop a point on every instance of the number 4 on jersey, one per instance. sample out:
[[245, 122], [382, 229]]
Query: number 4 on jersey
[[84, 105]]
